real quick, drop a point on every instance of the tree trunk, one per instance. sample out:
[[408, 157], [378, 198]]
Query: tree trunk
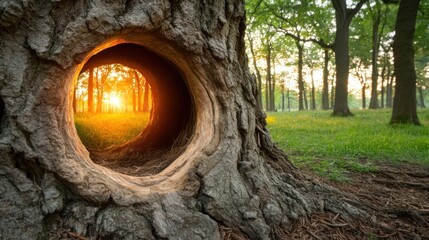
[[325, 88], [332, 92], [139, 92], [273, 87], [363, 97], [313, 92], [91, 90], [342, 70], [283, 98], [213, 167], [383, 89], [343, 18], [404, 103], [389, 86], [304, 93], [373, 104], [133, 88], [258, 73], [301, 93], [269, 78], [146, 96], [421, 97], [100, 92]]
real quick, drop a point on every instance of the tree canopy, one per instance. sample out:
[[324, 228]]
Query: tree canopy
[[295, 43]]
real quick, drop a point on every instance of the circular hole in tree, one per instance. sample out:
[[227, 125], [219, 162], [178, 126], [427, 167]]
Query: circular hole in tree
[[163, 134]]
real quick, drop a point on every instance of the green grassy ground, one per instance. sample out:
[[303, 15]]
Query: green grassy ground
[[330, 146], [313, 139], [104, 130]]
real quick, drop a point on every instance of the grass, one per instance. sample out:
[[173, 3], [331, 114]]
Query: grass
[[330, 145], [103, 130]]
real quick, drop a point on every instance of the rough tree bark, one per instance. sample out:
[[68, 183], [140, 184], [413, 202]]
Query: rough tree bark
[[229, 174], [404, 102]]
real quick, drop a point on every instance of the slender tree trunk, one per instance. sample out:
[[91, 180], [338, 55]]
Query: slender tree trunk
[[273, 87], [375, 49], [301, 91], [304, 92], [146, 96], [389, 86], [99, 86], [91, 90], [325, 90], [332, 92], [134, 96], [364, 96], [421, 97], [313, 92], [267, 95], [404, 103], [283, 98], [139, 91], [268, 79], [258, 73], [288, 99], [383, 79]]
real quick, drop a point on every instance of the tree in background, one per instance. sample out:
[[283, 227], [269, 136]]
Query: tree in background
[[91, 90], [293, 27], [300, 22], [404, 103], [360, 68], [421, 40], [343, 18], [120, 87]]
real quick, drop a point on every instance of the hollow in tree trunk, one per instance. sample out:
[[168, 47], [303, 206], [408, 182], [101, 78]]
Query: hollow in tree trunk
[[221, 171]]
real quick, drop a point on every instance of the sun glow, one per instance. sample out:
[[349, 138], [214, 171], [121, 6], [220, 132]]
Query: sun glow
[[115, 88], [115, 101]]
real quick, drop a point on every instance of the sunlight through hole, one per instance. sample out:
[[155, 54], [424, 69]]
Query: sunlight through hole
[[112, 105]]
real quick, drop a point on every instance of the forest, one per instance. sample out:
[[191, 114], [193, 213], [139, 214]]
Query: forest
[[201, 119], [111, 88], [332, 54]]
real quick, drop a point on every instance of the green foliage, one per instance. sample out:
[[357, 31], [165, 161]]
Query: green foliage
[[332, 146], [98, 131]]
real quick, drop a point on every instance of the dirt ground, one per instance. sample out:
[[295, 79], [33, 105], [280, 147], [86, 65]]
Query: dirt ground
[[397, 194]]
